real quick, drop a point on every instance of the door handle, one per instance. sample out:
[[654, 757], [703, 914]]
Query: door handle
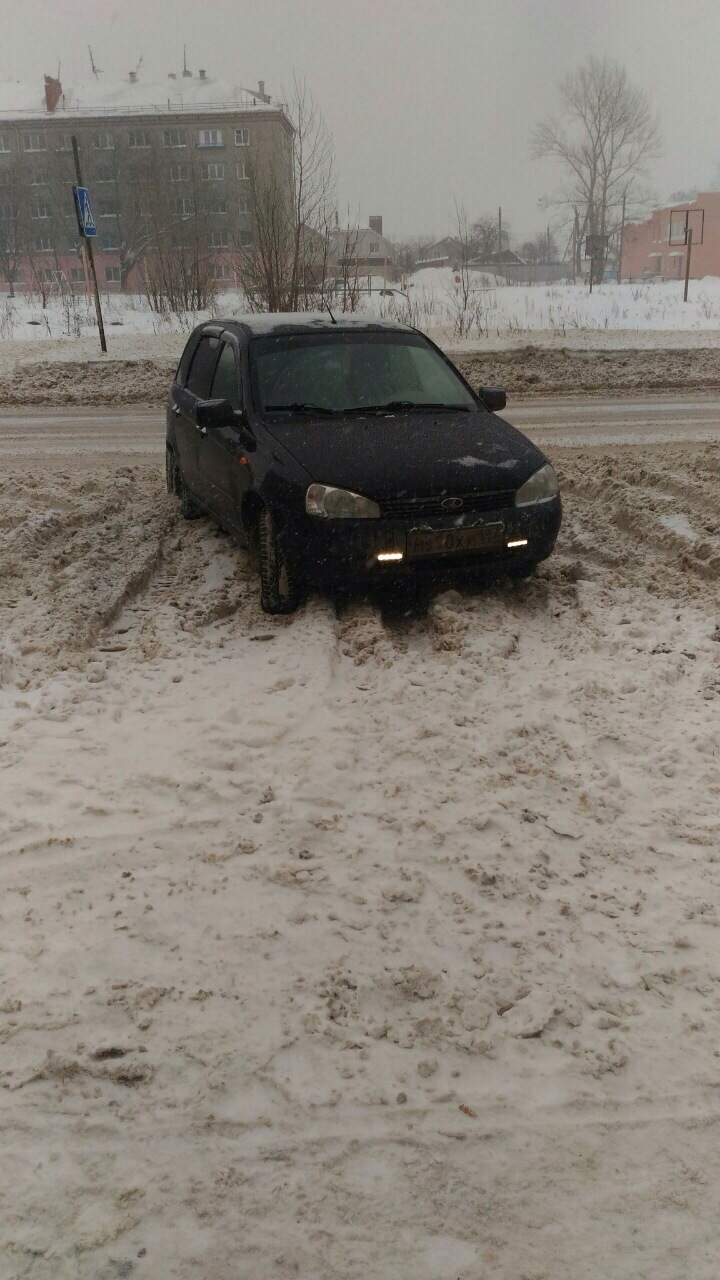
[[176, 410]]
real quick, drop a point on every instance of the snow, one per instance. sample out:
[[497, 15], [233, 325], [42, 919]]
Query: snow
[[623, 315], [679, 523], [498, 311], [371, 945], [101, 96]]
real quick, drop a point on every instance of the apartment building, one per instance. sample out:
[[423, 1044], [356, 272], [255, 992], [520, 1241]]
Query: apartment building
[[169, 165]]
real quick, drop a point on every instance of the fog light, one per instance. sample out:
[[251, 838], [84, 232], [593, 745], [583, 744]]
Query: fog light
[[383, 556], [519, 542]]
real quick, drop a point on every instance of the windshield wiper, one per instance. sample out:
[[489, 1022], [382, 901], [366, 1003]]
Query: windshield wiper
[[297, 407], [410, 406]]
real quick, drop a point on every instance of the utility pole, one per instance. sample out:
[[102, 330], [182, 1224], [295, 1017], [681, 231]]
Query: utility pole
[[687, 263], [90, 256], [499, 230]]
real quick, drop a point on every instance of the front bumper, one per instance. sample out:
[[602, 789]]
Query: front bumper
[[341, 552]]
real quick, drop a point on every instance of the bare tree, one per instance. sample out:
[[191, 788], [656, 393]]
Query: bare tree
[[283, 243], [345, 244], [409, 251], [13, 216], [608, 133], [485, 237], [542, 248], [461, 306]]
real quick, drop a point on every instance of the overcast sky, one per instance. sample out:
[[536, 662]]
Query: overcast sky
[[426, 99]]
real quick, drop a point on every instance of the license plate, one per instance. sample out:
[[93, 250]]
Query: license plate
[[446, 542]]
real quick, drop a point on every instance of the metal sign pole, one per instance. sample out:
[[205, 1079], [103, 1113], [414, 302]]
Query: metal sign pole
[[90, 255], [687, 263]]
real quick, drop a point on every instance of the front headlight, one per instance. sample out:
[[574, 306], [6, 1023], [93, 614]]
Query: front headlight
[[541, 486], [339, 504]]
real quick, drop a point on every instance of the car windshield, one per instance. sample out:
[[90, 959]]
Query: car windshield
[[348, 372]]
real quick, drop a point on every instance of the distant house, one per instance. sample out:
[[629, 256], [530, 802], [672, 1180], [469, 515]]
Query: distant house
[[362, 251], [504, 258], [447, 252], [656, 248]]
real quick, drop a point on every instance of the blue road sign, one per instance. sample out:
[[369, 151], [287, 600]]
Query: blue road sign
[[86, 221]]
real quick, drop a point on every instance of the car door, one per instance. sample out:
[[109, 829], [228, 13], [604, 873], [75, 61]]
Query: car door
[[223, 473], [197, 387]]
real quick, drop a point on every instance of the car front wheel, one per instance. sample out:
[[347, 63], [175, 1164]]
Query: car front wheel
[[521, 571], [279, 588]]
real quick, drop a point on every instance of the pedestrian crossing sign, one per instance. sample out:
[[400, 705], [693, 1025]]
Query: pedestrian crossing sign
[[86, 220]]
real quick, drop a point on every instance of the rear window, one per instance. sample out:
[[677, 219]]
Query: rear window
[[202, 368]]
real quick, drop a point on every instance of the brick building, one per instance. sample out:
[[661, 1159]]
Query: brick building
[[649, 249], [168, 164]]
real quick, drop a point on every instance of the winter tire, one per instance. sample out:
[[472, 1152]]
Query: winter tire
[[279, 591], [520, 571]]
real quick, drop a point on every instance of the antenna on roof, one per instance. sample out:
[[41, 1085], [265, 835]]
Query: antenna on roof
[[139, 64], [97, 71], [186, 72]]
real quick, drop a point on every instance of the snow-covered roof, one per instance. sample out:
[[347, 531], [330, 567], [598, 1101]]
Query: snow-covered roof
[[104, 96]]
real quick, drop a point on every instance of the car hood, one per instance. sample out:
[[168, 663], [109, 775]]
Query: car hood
[[411, 454]]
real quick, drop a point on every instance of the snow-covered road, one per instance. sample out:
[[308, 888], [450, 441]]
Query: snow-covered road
[[590, 421], [372, 945]]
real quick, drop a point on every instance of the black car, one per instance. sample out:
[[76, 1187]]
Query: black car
[[349, 451]]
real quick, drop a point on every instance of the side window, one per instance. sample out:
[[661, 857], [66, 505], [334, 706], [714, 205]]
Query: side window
[[226, 383], [203, 367]]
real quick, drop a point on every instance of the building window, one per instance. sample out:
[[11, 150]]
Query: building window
[[210, 138], [181, 206], [34, 142], [40, 210], [221, 271], [20, 276], [374, 246], [106, 173], [175, 138], [242, 137], [243, 204], [5, 142], [48, 275], [247, 240], [242, 173], [103, 142], [217, 205], [110, 240], [77, 275], [108, 209], [63, 142], [41, 244], [179, 172], [7, 212], [112, 275], [138, 138], [38, 178], [212, 172], [219, 239]]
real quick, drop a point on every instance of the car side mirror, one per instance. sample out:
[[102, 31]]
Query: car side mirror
[[494, 398], [214, 413]]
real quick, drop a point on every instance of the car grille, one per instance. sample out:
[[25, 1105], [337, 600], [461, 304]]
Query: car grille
[[411, 508]]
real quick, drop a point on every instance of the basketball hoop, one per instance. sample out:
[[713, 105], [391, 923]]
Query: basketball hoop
[[687, 227], [684, 220]]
